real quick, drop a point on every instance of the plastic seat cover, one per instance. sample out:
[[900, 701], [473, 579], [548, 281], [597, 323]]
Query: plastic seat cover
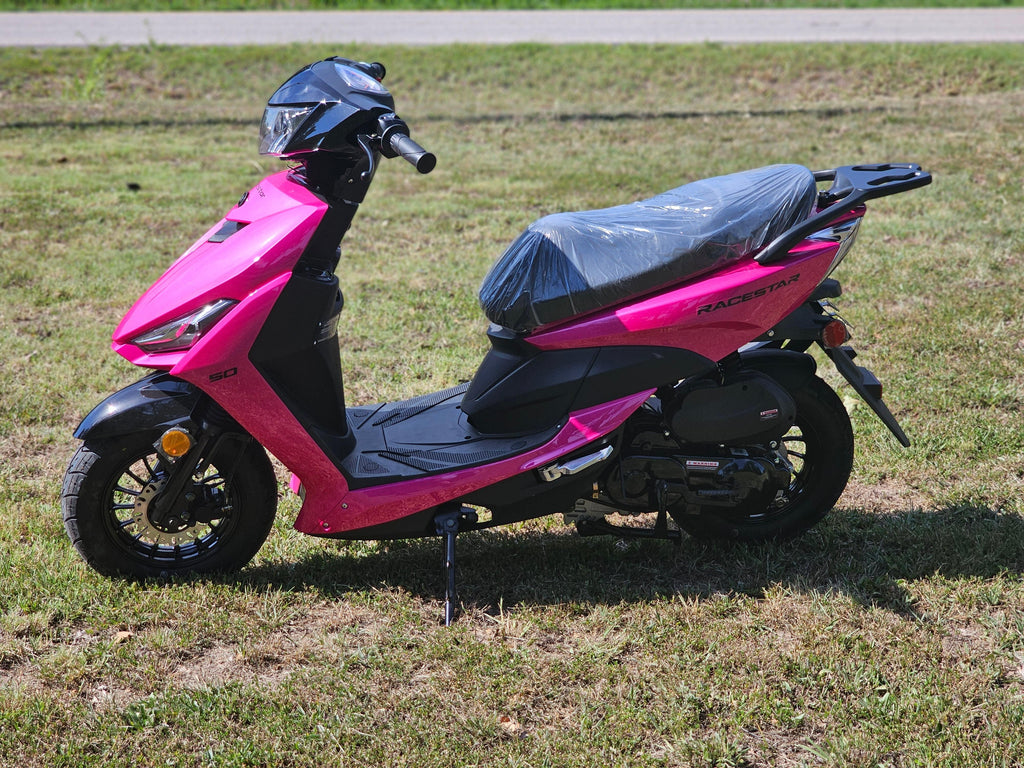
[[570, 264]]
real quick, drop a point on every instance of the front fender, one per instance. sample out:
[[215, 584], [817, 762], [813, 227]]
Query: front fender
[[154, 403]]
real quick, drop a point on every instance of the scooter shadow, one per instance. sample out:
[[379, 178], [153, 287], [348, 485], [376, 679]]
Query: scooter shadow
[[861, 554]]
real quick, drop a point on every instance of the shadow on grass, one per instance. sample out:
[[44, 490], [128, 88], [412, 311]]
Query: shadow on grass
[[861, 554]]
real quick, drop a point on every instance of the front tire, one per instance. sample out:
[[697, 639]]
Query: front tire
[[820, 447], [109, 488]]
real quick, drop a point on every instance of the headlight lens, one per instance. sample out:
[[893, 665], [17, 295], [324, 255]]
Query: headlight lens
[[279, 125], [183, 332]]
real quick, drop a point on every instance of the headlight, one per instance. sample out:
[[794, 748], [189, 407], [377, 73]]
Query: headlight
[[183, 332], [278, 126]]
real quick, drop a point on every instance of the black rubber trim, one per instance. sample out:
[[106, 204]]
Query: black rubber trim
[[621, 371], [227, 230], [789, 368], [297, 350], [302, 367]]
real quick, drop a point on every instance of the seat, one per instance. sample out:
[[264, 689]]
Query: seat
[[570, 264]]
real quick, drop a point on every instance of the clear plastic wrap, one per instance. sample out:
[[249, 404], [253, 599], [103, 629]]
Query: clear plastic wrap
[[569, 264]]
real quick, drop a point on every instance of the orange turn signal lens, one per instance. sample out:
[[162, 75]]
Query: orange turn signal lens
[[835, 334], [176, 442]]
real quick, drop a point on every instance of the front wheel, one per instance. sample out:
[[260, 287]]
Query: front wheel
[[110, 496], [820, 450]]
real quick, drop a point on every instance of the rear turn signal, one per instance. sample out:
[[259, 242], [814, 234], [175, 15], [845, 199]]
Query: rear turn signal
[[835, 334]]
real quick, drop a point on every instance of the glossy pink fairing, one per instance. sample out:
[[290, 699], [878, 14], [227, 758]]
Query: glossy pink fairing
[[252, 266], [364, 507], [713, 316], [280, 215]]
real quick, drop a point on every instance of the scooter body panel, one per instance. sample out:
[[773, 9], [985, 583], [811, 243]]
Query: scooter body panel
[[377, 505], [277, 217], [154, 403], [250, 257], [252, 266], [713, 316]]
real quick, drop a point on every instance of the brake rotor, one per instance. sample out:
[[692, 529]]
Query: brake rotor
[[147, 530]]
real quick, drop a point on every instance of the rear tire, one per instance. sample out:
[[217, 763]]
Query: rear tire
[[820, 446], [110, 484]]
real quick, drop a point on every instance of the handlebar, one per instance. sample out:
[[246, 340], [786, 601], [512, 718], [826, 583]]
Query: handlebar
[[422, 160], [393, 140]]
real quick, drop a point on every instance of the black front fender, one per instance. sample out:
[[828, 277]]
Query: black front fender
[[154, 403]]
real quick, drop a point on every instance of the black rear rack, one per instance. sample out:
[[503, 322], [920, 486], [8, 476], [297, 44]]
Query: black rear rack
[[852, 185]]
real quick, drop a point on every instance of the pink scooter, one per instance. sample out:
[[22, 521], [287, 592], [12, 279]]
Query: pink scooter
[[645, 359]]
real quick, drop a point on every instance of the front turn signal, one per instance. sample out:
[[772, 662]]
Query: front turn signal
[[176, 442]]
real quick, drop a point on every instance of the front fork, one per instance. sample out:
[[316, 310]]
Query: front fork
[[167, 406], [182, 501], [810, 324]]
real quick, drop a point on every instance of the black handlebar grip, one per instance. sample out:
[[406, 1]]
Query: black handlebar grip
[[416, 155]]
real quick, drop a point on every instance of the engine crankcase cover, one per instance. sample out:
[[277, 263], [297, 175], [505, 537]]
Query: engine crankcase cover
[[682, 484], [750, 408]]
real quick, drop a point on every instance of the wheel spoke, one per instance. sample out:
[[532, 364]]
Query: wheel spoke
[[137, 479], [211, 481], [149, 468]]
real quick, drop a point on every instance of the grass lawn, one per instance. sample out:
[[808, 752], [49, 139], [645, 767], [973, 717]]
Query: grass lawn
[[892, 634]]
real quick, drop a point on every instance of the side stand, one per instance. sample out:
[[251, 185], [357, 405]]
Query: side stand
[[447, 523]]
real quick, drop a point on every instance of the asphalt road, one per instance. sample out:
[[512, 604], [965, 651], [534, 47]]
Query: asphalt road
[[978, 25]]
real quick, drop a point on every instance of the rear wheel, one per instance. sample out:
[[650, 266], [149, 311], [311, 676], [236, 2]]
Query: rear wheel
[[112, 489], [820, 449]]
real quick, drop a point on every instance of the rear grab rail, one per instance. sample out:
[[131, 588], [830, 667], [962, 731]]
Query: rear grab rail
[[852, 186]]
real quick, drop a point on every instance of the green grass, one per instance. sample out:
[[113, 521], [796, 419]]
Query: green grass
[[892, 634]]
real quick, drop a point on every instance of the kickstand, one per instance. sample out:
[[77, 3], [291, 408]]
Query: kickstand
[[661, 524], [447, 524]]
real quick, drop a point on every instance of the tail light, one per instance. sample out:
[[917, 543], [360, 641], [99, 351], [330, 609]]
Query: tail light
[[835, 334]]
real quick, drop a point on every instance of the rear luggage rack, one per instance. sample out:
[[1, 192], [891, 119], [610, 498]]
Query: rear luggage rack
[[852, 186]]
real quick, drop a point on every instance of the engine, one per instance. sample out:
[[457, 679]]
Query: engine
[[749, 408], [704, 444], [684, 484]]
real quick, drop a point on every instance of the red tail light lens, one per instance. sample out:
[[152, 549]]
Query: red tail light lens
[[835, 334]]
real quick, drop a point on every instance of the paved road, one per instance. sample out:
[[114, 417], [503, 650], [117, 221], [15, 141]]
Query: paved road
[[440, 27]]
